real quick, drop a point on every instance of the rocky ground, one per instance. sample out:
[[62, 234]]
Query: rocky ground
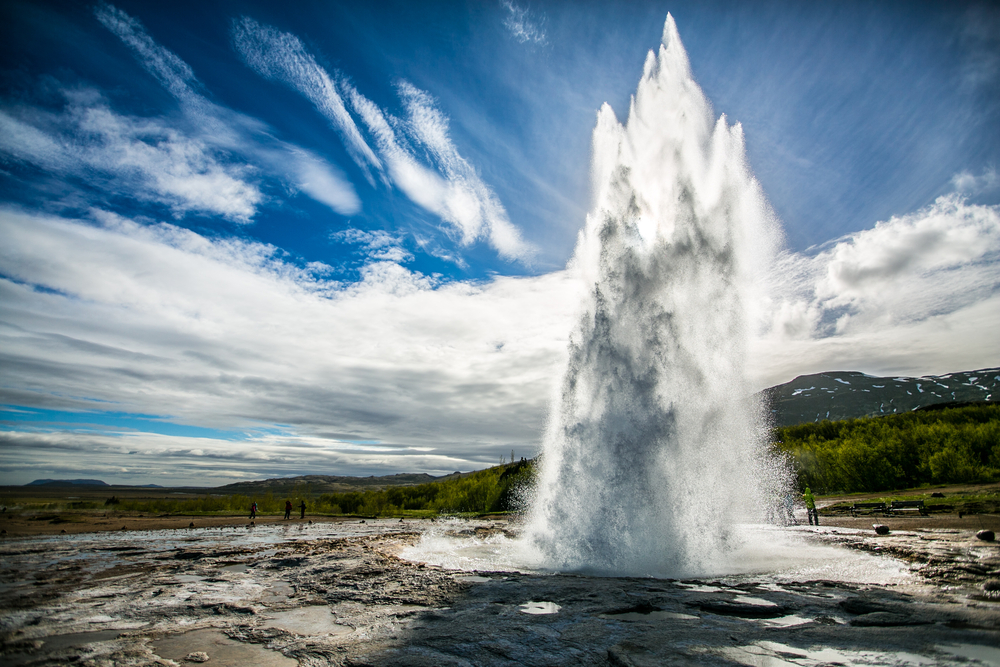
[[339, 594]]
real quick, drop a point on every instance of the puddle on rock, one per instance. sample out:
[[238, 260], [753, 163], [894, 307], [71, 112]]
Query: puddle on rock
[[760, 602], [56, 643], [239, 567], [536, 608], [59, 642], [472, 579], [775, 654], [786, 621], [987, 655], [699, 588], [650, 617], [308, 621], [278, 592], [221, 650]]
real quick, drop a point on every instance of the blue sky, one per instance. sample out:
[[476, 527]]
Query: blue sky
[[294, 228]]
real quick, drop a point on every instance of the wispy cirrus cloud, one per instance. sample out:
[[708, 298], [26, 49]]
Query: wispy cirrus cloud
[[228, 132], [446, 185], [522, 24], [282, 57], [173, 73]]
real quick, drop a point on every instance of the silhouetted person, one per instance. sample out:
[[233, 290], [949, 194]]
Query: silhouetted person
[[789, 509], [288, 509], [253, 511], [810, 507], [302, 506]]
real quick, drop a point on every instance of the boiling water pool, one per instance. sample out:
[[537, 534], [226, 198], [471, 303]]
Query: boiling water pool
[[768, 553]]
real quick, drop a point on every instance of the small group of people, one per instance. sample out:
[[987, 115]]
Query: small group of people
[[783, 512], [288, 510]]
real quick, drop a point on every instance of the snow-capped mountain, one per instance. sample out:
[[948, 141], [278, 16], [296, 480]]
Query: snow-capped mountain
[[848, 394]]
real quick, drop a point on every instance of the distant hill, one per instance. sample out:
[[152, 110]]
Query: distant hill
[[848, 395], [67, 482], [331, 483]]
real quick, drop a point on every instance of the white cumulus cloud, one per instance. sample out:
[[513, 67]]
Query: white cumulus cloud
[[968, 183], [917, 293]]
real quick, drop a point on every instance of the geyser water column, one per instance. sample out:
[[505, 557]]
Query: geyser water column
[[654, 451]]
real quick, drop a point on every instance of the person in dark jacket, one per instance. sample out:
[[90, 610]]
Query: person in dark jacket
[[288, 509], [302, 506]]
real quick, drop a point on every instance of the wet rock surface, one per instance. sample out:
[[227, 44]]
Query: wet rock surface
[[312, 596]]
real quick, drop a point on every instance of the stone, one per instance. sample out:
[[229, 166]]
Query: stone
[[986, 535], [861, 606], [886, 619], [196, 656], [880, 529], [742, 609]]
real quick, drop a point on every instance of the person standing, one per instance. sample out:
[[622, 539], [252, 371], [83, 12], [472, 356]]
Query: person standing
[[302, 506], [811, 506], [288, 509], [253, 511], [790, 509]]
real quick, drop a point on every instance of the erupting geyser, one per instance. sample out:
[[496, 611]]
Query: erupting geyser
[[655, 452]]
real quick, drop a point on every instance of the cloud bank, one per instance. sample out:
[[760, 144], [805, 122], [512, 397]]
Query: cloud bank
[[398, 371], [223, 333], [917, 294]]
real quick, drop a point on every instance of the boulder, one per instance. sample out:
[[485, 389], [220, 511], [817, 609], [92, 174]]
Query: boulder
[[880, 529], [986, 535], [860, 605], [886, 619], [742, 609]]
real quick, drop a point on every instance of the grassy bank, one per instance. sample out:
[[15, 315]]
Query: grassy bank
[[496, 489]]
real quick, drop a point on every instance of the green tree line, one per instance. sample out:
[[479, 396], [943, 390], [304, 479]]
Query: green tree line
[[940, 446], [497, 489]]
